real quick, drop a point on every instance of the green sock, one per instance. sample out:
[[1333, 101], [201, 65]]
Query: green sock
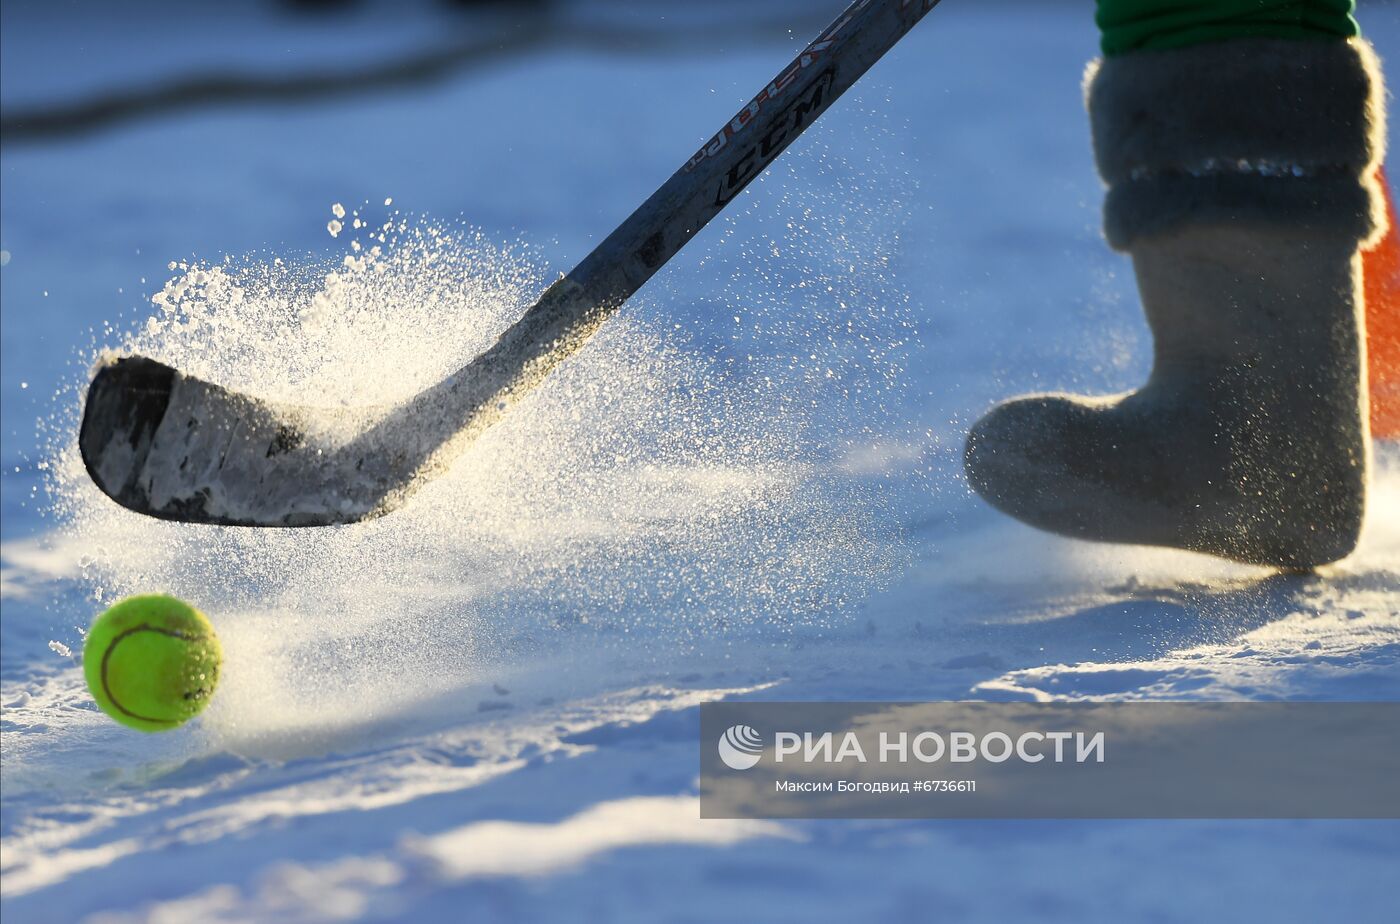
[[1130, 25]]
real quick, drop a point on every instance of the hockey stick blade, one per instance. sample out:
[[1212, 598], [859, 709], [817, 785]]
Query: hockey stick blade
[[176, 447], [173, 446], [169, 445]]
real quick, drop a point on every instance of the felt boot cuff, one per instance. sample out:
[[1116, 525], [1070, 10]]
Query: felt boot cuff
[[1243, 131]]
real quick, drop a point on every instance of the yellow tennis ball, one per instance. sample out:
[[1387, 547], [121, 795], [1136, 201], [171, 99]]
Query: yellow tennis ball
[[152, 662]]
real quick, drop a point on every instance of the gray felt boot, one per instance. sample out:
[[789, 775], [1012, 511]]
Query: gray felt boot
[[1242, 180]]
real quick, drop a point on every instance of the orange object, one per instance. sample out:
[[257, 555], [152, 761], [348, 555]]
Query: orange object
[[1380, 269]]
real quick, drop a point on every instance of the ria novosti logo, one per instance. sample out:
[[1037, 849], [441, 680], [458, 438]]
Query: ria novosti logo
[[740, 747]]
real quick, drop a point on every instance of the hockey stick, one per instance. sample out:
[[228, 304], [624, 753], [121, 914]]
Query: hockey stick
[[172, 446]]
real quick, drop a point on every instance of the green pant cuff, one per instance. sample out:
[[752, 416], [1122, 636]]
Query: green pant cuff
[[1134, 25]]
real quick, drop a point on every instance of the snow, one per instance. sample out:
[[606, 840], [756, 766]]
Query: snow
[[485, 706]]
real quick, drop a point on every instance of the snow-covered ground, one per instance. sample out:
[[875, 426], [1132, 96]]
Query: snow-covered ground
[[485, 707]]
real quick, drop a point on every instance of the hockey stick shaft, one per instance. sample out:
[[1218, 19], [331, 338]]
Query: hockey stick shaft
[[745, 145], [573, 308]]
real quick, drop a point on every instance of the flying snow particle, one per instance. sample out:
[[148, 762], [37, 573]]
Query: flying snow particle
[[334, 227]]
